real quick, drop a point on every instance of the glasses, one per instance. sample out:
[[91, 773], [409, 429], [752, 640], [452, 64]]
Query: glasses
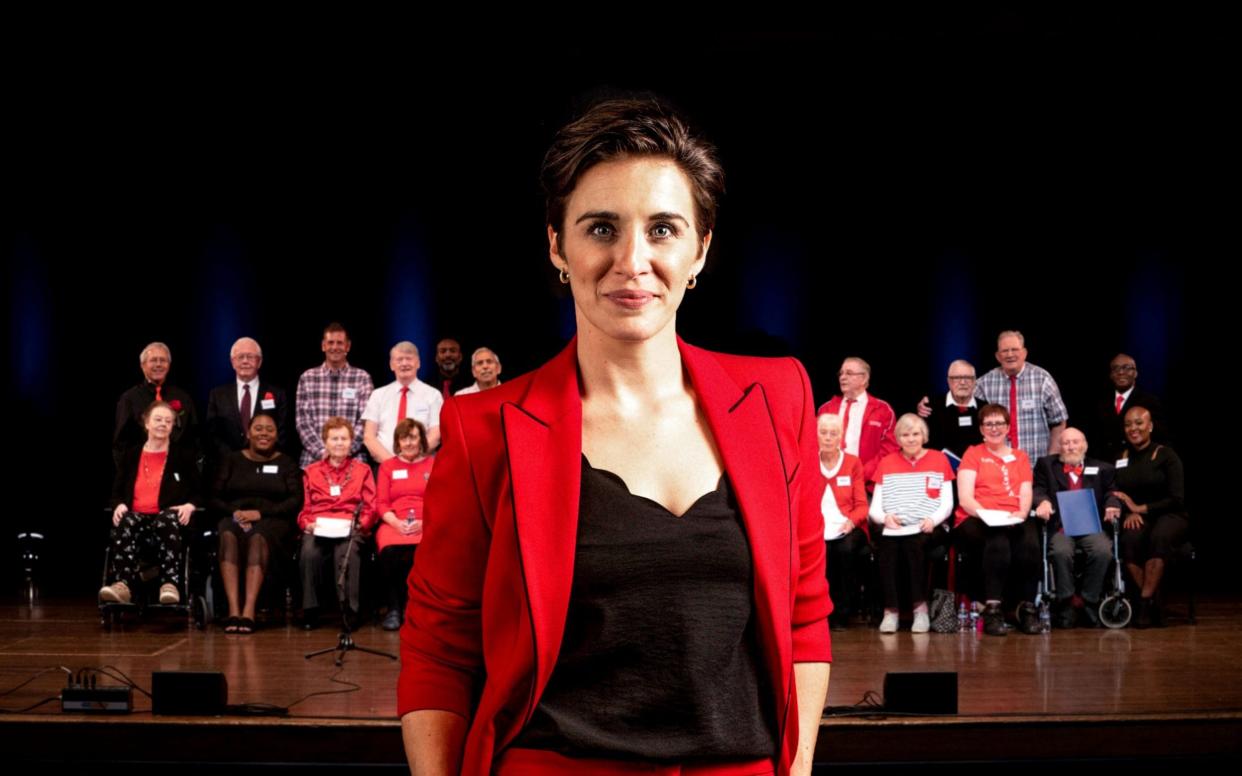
[[1123, 368], [994, 424], [962, 378], [247, 357], [846, 373]]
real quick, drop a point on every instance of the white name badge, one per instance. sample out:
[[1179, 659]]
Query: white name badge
[[400, 474], [271, 468], [965, 421], [843, 481], [1090, 471], [1028, 404], [1122, 463], [349, 393], [335, 490], [1009, 458], [268, 404], [176, 477]]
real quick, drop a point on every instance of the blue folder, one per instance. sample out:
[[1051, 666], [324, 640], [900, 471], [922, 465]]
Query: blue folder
[[1080, 516]]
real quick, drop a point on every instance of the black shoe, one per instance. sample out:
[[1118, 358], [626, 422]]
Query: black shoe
[[310, 619], [994, 621], [1028, 619], [1091, 615], [1157, 615], [1144, 613], [1065, 616], [392, 620]]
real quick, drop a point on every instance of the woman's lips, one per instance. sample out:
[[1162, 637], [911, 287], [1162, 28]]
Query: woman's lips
[[629, 299]]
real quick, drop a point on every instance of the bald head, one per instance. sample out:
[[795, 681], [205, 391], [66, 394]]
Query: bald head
[[1073, 446]]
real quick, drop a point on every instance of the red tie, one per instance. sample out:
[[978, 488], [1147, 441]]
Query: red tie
[[845, 421], [245, 406], [405, 389], [1121, 400], [157, 393], [1013, 411]]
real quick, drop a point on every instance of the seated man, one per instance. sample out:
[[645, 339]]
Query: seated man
[[1073, 470]]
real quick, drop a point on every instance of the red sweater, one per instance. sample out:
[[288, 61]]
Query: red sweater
[[356, 484], [851, 498], [400, 494]]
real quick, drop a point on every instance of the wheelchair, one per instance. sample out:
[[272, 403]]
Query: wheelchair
[[1114, 609], [144, 590]]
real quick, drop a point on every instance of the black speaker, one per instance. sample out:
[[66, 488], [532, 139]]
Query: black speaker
[[921, 692], [189, 692]]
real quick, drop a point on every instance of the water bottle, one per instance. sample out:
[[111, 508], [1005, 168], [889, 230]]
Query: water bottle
[[1045, 618], [963, 619], [414, 522]]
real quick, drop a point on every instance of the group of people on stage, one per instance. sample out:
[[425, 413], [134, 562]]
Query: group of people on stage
[[366, 461], [1004, 440]]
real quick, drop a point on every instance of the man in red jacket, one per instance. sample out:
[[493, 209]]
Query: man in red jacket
[[868, 421]]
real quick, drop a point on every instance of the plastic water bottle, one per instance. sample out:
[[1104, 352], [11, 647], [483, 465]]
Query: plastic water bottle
[[1045, 618], [963, 619], [414, 522]]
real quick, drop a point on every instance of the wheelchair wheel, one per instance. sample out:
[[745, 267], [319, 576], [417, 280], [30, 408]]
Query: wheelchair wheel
[[1115, 611]]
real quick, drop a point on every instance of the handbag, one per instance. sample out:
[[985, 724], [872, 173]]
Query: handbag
[[942, 614]]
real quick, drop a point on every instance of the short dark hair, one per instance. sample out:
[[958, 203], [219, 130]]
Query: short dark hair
[[334, 327], [988, 410], [403, 430], [155, 405], [619, 128]]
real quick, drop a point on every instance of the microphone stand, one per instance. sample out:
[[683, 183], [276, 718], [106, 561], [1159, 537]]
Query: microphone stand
[[345, 641]]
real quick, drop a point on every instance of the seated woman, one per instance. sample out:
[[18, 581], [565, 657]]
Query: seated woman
[[911, 498], [994, 500], [844, 506], [335, 489], [399, 504], [161, 481], [258, 493], [1152, 490]]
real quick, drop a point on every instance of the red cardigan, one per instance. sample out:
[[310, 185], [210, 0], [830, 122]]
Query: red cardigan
[[316, 484], [497, 556], [852, 498], [876, 439]]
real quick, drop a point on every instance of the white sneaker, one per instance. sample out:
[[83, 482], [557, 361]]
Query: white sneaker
[[889, 623], [921, 623], [116, 593], [169, 594]]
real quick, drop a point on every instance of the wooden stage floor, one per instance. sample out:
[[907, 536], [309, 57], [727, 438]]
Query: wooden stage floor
[[1072, 695]]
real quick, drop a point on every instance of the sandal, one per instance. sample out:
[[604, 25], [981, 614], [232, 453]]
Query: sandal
[[245, 626], [231, 624]]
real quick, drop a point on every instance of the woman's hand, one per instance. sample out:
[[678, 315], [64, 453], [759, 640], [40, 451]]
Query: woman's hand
[[891, 522], [184, 512], [927, 526], [394, 522], [846, 527], [1129, 502], [247, 515], [1134, 521], [118, 513]]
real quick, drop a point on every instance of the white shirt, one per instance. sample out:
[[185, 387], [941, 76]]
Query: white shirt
[[1125, 397], [834, 521], [472, 388], [423, 404], [949, 402], [853, 432], [255, 398]]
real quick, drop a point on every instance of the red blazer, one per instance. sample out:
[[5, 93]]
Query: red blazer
[[877, 439], [852, 498], [490, 586]]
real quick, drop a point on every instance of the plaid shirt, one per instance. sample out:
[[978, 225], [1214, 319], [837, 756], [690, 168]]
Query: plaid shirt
[[1039, 405], [321, 395]]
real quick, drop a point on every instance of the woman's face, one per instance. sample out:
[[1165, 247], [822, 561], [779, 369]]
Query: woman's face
[[829, 437], [911, 440], [994, 429], [630, 245], [338, 442], [1138, 427], [411, 445], [262, 435], [160, 424]]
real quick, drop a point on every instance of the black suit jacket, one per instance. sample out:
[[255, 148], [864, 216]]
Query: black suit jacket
[[224, 429], [1051, 479], [1107, 436]]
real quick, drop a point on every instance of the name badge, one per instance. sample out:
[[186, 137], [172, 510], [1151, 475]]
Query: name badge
[[176, 477], [875, 423], [1122, 463], [843, 481], [271, 468], [1027, 404], [268, 404], [349, 394], [1090, 471], [965, 421], [400, 474], [334, 490], [1009, 458]]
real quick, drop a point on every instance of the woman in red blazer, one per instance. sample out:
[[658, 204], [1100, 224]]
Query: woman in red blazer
[[499, 576], [844, 507]]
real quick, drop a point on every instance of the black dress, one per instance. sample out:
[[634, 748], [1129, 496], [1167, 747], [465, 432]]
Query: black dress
[[272, 487]]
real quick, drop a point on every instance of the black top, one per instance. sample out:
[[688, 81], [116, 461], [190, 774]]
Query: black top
[[128, 430], [660, 660], [223, 427], [946, 431], [1153, 477], [241, 483], [179, 485]]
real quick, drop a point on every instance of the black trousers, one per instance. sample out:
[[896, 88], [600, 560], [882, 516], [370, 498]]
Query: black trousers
[[396, 561], [845, 558], [1003, 563], [898, 555]]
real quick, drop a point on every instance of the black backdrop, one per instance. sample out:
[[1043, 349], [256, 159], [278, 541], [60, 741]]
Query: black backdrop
[[898, 188]]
